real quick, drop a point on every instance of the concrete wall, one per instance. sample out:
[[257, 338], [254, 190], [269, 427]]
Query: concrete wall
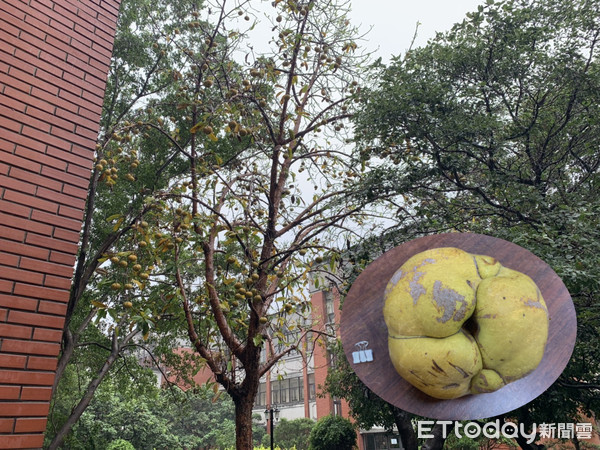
[[54, 58]]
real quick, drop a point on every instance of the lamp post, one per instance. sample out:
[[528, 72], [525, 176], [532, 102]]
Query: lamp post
[[270, 413]]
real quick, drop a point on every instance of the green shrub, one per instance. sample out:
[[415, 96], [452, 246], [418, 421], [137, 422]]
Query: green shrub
[[120, 444], [333, 433], [295, 433]]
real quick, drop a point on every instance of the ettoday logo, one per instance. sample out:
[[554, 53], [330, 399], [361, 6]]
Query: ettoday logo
[[495, 430], [492, 430]]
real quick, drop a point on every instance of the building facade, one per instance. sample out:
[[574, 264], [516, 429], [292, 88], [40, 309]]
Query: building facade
[[54, 59]]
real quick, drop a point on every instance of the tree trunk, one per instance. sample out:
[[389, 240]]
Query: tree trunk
[[402, 419], [243, 422], [438, 439], [68, 346]]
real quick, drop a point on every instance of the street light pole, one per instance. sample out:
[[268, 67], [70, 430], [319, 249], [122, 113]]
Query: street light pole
[[270, 413], [271, 426]]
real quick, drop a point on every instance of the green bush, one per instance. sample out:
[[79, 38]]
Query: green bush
[[333, 433], [120, 444], [295, 433]]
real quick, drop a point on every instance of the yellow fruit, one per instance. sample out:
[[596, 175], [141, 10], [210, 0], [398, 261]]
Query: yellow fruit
[[512, 320], [132, 258], [127, 304], [435, 300], [432, 294], [115, 286], [263, 320], [440, 367]]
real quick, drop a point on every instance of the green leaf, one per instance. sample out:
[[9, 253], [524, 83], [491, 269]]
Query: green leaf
[[258, 340]]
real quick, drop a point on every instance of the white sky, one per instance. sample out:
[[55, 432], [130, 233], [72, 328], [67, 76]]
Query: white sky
[[389, 24], [393, 22]]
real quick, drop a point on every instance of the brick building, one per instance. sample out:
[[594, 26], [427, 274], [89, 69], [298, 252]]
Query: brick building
[[54, 59]]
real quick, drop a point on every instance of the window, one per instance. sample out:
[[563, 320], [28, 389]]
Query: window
[[288, 339], [275, 399], [312, 392], [329, 307], [284, 391], [289, 390], [261, 397], [295, 392], [337, 406]]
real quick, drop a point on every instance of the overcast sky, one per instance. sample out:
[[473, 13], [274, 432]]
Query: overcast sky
[[393, 22]]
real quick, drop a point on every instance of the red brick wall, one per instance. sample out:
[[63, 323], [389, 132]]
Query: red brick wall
[[54, 57]]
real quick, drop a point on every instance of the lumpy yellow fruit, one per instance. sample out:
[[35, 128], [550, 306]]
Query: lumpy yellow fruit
[[440, 367], [460, 323]]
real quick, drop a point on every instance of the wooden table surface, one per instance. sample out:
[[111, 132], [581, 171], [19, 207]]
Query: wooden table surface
[[362, 320]]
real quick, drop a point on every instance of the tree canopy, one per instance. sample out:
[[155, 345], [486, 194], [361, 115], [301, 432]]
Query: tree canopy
[[492, 127]]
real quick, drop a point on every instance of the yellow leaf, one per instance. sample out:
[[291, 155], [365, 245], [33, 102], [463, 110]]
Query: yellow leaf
[[118, 224], [99, 305], [212, 137]]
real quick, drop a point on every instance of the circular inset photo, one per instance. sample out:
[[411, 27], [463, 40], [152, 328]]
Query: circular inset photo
[[458, 326]]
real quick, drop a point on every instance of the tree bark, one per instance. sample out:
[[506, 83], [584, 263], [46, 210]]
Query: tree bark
[[243, 422], [438, 439], [402, 419]]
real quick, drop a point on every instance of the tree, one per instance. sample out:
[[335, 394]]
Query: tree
[[492, 127], [333, 433], [198, 214], [120, 409], [235, 237], [293, 433], [120, 444], [200, 418], [146, 416]]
